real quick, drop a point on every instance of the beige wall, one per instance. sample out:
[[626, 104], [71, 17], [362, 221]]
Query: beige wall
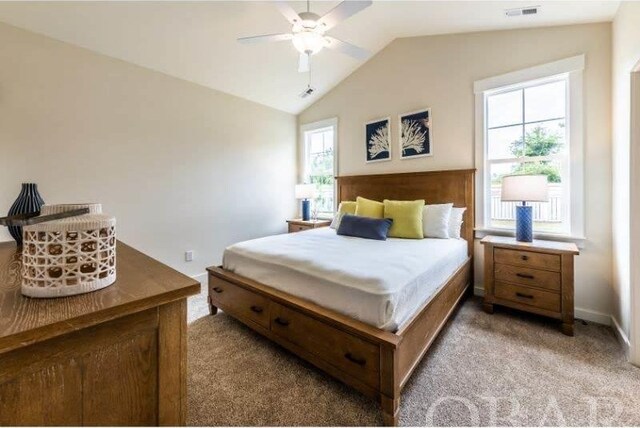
[[626, 55], [182, 167], [438, 72]]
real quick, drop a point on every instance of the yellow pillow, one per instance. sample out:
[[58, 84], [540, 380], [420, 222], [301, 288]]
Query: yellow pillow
[[369, 208], [347, 207], [407, 218]]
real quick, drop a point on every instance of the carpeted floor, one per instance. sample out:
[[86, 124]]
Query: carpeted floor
[[501, 369]]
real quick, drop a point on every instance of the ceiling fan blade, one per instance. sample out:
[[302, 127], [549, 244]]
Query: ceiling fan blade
[[347, 48], [303, 63], [288, 12], [343, 11], [266, 38]]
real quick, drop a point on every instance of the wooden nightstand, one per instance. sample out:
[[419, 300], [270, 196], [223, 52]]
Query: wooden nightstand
[[533, 276], [300, 225]]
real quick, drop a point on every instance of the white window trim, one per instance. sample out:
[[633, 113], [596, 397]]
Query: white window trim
[[634, 251], [573, 67], [326, 123]]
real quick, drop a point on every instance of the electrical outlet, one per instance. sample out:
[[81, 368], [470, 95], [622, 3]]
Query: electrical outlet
[[188, 256]]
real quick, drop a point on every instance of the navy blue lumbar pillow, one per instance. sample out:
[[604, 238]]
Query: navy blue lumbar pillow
[[364, 227]]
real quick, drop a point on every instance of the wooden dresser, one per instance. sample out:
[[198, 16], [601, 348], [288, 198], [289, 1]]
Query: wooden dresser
[[531, 276], [116, 356], [300, 225]]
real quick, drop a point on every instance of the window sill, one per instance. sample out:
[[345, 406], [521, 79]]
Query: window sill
[[325, 216], [578, 240]]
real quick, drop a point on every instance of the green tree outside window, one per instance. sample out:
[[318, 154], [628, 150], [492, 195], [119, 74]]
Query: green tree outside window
[[537, 142]]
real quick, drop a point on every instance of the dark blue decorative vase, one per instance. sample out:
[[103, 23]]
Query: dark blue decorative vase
[[306, 209], [29, 201], [524, 223]]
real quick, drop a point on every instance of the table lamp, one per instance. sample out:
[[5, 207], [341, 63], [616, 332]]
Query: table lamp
[[306, 192], [524, 188]]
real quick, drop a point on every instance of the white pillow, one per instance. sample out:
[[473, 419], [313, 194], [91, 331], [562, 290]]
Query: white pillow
[[335, 223], [435, 220], [455, 222]]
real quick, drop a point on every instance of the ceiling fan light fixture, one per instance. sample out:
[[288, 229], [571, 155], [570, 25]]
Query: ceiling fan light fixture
[[309, 42], [308, 31]]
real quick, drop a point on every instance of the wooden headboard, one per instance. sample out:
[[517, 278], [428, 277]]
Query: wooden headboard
[[435, 187]]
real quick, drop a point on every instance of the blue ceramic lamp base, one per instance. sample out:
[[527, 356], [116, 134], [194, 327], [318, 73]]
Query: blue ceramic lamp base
[[524, 223], [306, 209]]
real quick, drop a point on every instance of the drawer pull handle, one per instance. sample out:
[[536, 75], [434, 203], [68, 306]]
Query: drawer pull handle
[[525, 258], [526, 296], [358, 361], [256, 309], [524, 275], [218, 289], [281, 321]]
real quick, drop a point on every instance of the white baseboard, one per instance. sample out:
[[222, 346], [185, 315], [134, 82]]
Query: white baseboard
[[581, 313], [621, 335], [593, 316], [201, 278]]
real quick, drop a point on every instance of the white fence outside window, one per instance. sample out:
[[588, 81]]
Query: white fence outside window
[[550, 212]]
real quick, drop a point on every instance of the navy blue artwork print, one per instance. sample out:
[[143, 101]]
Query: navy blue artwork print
[[378, 142], [415, 134]]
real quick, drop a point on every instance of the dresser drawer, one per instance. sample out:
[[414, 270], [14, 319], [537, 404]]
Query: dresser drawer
[[298, 228], [527, 259], [239, 301], [528, 296], [350, 354], [527, 276]]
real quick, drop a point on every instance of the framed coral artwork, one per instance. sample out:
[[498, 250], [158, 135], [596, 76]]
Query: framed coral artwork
[[415, 134], [378, 140]]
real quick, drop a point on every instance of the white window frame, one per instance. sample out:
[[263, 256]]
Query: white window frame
[[573, 68], [634, 250], [314, 126]]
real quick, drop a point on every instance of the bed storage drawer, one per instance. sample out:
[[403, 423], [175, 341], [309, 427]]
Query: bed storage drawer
[[349, 353], [529, 296], [239, 301]]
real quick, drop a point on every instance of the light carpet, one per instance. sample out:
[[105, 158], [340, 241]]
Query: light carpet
[[502, 369]]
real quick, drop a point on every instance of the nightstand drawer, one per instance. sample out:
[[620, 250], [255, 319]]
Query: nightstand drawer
[[298, 228], [300, 225], [527, 276], [528, 296], [527, 259]]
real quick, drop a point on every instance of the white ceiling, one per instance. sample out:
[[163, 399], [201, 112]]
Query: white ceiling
[[196, 41]]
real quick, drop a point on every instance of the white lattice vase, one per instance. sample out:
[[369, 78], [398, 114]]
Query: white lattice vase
[[69, 256]]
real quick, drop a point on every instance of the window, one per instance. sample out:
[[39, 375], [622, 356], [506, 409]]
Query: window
[[526, 133], [319, 164], [530, 123]]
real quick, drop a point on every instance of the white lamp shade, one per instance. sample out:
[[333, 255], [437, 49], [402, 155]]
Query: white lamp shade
[[305, 191], [525, 188]]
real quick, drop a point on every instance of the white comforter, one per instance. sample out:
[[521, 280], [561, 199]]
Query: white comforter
[[378, 282]]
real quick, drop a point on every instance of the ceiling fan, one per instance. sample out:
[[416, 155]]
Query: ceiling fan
[[308, 31]]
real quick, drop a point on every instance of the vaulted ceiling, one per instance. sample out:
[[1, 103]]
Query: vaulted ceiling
[[196, 41]]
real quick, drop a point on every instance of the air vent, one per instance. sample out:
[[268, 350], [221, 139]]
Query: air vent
[[521, 11]]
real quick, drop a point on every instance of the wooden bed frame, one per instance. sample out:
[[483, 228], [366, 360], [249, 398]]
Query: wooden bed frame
[[376, 362]]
